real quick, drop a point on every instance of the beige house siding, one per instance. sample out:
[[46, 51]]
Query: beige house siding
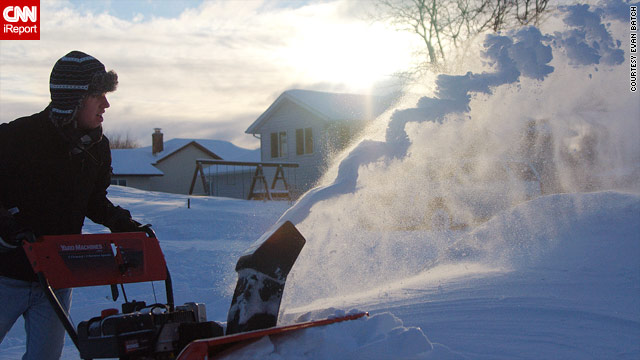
[[171, 169], [178, 170]]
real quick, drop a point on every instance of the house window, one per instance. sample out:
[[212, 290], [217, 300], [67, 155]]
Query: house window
[[304, 141], [120, 182], [279, 144]]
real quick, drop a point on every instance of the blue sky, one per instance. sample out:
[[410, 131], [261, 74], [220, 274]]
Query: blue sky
[[204, 69], [128, 10], [131, 9]]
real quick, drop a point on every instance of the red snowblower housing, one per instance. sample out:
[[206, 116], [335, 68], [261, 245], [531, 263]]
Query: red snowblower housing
[[161, 331], [157, 331]]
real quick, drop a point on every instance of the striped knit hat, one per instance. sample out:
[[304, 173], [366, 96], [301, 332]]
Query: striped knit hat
[[74, 76]]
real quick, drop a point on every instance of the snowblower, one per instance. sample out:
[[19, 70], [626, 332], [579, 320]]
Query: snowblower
[[163, 330]]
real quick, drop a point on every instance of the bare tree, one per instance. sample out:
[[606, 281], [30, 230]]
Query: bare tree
[[530, 11], [119, 141], [505, 14], [447, 24]]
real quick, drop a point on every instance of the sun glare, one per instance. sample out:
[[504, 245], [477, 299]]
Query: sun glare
[[357, 55]]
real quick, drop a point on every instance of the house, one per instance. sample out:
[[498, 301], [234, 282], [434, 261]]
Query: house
[[300, 133], [309, 127], [169, 166]]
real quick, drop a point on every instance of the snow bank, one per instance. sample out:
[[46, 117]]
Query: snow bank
[[556, 277], [569, 286], [594, 231], [382, 336]]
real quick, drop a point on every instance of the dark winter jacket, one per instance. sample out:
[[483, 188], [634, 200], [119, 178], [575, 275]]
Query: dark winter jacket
[[53, 187]]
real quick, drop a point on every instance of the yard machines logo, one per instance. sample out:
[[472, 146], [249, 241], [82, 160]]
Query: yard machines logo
[[20, 20]]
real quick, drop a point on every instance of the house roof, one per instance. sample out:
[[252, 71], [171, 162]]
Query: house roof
[[140, 161], [328, 106]]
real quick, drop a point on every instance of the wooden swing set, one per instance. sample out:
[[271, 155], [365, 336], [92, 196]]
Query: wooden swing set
[[257, 191]]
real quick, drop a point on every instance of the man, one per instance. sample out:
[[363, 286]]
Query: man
[[55, 168]]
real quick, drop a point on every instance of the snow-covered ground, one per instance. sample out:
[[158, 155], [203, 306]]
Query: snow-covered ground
[[562, 282], [556, 277]]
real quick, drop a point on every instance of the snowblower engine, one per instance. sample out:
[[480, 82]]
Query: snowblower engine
[[141, 331]]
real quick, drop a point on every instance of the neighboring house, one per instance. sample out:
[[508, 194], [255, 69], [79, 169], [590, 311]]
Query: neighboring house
[[309, 127], [169, 166]]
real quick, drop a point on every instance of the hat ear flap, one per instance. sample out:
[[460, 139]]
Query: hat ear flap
[[62, 117]]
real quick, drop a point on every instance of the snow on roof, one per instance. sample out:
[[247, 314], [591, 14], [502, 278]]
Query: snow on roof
[[140, 161], [133, 162], [329, 106]]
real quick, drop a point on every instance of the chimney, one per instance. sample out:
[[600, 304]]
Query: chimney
[[157, 144]]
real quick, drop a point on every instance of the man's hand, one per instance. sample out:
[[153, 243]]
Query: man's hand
[[122, 222]]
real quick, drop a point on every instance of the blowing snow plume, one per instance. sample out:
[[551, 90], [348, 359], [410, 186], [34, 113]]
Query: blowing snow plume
[[551, 112]]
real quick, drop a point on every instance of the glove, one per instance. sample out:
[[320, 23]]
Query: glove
[[11, 235], [126, 225], [122, 222]]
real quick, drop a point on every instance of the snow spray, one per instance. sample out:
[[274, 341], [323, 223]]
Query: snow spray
[[549, 112]]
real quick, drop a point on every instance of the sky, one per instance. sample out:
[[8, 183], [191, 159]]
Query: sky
[[205, 69]]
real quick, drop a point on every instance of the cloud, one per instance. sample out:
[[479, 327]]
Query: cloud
[[208, 65]]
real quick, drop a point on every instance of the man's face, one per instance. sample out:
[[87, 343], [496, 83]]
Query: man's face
[[90, 113]]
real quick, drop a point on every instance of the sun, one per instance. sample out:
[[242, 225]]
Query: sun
[[357, 55]]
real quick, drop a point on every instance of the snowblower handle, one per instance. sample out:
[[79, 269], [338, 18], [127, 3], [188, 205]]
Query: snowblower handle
[[147, 229], [168, 283], [68, 261]]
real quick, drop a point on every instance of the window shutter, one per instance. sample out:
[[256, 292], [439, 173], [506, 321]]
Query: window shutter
[[274, 145], [283, 144], [308, 141], [299, 142]]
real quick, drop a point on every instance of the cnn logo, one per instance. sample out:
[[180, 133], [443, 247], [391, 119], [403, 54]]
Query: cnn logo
[[20, 20], [15, 13]]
